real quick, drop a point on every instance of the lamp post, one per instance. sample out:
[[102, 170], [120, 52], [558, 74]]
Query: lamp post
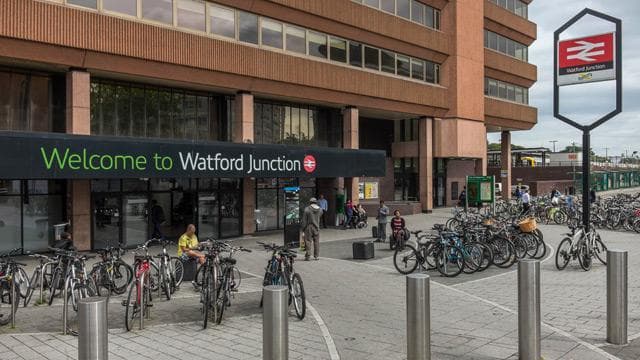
[[554, 144]]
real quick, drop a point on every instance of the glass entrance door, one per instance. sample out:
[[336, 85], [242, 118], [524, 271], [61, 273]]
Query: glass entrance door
[[208, 215], [106, 220], [135, 222]]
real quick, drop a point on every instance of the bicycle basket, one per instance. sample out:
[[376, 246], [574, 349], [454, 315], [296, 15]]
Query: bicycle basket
[[528, 225]]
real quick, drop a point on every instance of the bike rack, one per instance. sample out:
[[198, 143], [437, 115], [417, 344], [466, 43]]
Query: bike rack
[[64, 309]]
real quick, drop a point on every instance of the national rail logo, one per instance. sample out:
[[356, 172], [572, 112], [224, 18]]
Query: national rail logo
[[309, 163]]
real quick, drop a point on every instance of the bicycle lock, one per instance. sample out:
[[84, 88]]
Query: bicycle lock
[[275, 323], [617, 297]]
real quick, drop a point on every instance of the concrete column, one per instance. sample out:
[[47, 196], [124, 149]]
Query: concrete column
[[78, 122], [350, 134], [425, 150], [505, 164], [242, 132]]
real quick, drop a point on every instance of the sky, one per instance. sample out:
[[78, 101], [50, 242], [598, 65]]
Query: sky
[[584, 103]]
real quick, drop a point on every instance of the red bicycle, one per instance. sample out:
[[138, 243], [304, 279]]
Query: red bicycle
[[139, 300]]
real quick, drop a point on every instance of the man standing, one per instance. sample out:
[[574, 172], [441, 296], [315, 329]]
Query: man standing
[[157, 218], [526, 202], [311, 229], [322, 202], [383, 212]]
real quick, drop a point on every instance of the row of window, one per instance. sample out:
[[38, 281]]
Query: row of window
[[505, 45], [517, 7], [123, 109], [405, 179], [405, 130], [409, 9], [502, 90], [196, 15]]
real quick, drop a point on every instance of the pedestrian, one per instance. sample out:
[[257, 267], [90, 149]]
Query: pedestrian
[[324, 205], [157, 218], [526, 202], [462, 199], [383, 212], [349, 211], [311, 229], [518, 193], [592, 196]]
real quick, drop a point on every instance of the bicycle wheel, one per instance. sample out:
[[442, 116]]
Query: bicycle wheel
[[131, 306], [299, 298], [56, 283], [5, 306], [450, 261], [503, 253], [34, 283], [472, 258], [406, 259], [236, 278], [585, 256], [178, 270], [521, 247], [205, 296], [487, 256], [22, 282], [563, 254], [121, 277], [600, 250], [165, 280], [222, 297]]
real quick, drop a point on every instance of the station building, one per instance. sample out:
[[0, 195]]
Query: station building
[[422, 81]]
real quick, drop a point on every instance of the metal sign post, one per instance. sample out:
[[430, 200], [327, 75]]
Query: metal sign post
[[584, 60]]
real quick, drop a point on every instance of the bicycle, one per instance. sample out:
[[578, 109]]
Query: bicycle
[[279, 271], [210, 273], [139, 299], [229, 281], [9, 282], [583, 246], [171, 270], [41, 277], [111, 273]]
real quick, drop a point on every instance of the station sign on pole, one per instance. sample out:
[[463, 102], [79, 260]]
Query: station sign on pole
[[589, 58]]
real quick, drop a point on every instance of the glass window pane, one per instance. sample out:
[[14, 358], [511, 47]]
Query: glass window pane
[[388, 62], [151, 103], [304, 126], [511, 93], [404, 66], [493, 88], [295, 125], [268, 124], [493, 41], [502, 44], [86, 3], [417, 12], [272, 33], [129, 7], [108, 110], [436, 19], [511, 48], [403, 8], [222, 21], [317, 44], [338, 51], [248, 27], [429, 17], [519, 97], [190, 116], [296, 40], [206, 131], [431, 72], [164, 114], [502, 91], [158, 10], [371, 58], [123, 107], [178, 119], [374, 3], [388, 6], [39, 109], [191, 15], [137, 112], [355, 54], [417, 69], [11, 232]]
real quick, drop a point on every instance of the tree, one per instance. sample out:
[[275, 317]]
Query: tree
[[498, 147]]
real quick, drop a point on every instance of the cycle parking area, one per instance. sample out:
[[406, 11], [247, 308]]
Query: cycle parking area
[[362, 305]]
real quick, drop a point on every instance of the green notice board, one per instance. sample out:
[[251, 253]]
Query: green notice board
[[480, 189]]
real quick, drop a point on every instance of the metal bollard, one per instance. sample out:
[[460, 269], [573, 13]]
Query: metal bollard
[[529, 309], [93, 338], [15, 299], [617, 297], [65, 310], [275, 323], [418, 317]]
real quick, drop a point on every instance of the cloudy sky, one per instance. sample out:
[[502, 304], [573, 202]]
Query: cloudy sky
[[584, 102]]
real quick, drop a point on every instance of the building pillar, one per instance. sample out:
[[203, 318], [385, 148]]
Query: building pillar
[[242, 132], [505, 164], [78, 122], [425, 167], [350, 140]]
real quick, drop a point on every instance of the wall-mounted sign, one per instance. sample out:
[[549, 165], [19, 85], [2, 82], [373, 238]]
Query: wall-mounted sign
[[371, 190], [586, 59], [62, 156]]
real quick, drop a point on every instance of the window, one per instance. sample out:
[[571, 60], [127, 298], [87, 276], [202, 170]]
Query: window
[[128, 7], [388, 61], [417, 12], [272, 33], [405, 171], [191, 15], [223, 21], [517, 7], [296, 40], [432, 73], [158, 10], [519, 97], [371, 58], [505, 45], [355, 54], [511, 93], [388, 6], [372, 3], [405, 130], [247, 27], [338, 50], [502, 44], [317, 44], [86, 3], [403, 8], [429, 17], [404, 66], [506, 91], [417, 69]]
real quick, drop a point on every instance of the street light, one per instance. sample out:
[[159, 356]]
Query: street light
[[554, 144]]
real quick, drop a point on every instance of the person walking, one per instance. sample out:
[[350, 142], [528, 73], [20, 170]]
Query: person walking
[[526, 202], [592, 196], [324, 205], [462, 199], [349, 211], [383, 212], [311, 229], [157, 218]]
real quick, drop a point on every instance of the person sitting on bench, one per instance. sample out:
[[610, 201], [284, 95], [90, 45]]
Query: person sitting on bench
[[187, 245]]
